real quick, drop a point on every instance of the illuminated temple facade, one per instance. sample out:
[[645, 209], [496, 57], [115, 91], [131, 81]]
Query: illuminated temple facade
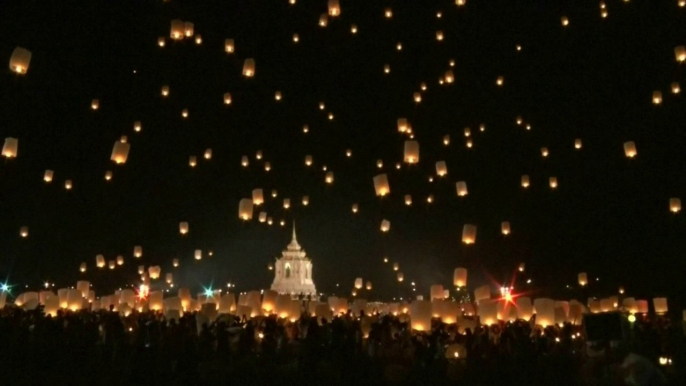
[[294, 271]]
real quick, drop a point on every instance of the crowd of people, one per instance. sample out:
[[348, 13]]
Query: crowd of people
[[104, 347]]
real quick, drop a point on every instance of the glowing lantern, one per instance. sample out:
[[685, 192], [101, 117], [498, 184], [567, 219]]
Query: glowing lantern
[[198, 254], [258, 154], [680, 53], [245, 209], [449, 77], [47, 177], [446, 140], [244, 161], [469, 234], [257, 197], [460, 277], [100, 261], [188, 29], [227, 98], [82, 268], [630, 149], [500, 80], [505, 227], [565, 21], [192, 161], [95, 104], [175, 262], [488, 312], [120, 260], [329, 178], [277, 95], [24, 231], [165, 91], [386, 68], [20, 59], [208, 154], [642, 306], [381, 185], [525, 181], [439, 35], [553, 182], [417, 97], [441, 168], [68, 184], [462, 188], [358, 283], [198, 39], [385, 226], [306, 200], [274, 193], [296, 38], [675, 205], [353, 29], [521, 267], [183, 227], [408, 200], [323, 20], [262, 217], [154, 272], [400, 276], [286, 203], [411, 152], [229, 46], [577, 143], [10, 148], [675, 88], [74, 300], [355, 208], [249, 68], [161, 42], [184, 113], [657, 97], [583, 279], [545, 311], [177, 29], [402, 125], [388, 13], [420, 315], [308, 160], [120, 152], [660, 305], [267, 166], [112, 264]]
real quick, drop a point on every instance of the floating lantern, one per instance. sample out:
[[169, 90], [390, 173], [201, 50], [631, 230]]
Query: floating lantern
[[329, 177], [583, 279], [286, 203], [430, 199], [267, 166], [244, 161], [577, 143], [469, 143], [95, 104], [184, 113], [296, 38], [306, 200], [565, 21], [385, 226], [358, 283], [675, 88], [545, 312], [308, 160], [183, 227], [469, 234], [402, 125], [368, 285], [420, 315], [274, 193], [387, 68], [227, 98], [161, 42], [323, 20], [446, 139], [165, 91], [249, 68], [137, 126], [396, 266], [245, 209], [675, 205], [660, 305], [198, 254], [120, 152], [177, 29], [417, 97], [262, 217], [154, 272], [630, 149], [521, 267], [505, 227], [137, 251], [355, 208], [680, 52], [353, 29], [208, 154], [388, 13], [24, 231], [411, 152], [408, 200], [68, 184], [381, 185], [82, 268], [47, 177], [525, 181], [20, 60], [553, 182], [188, 29], [400, 277], [488, 312], [461, 188], [257, 197], [460, 277], [229, 46], [334, 8], [449, 78], [277, 95], [439, 35], [500, 80], [192, 161], [100, 261], [10, 148], [441, 168], [112, 264], [657, 97], [120, 260], [175, 262]]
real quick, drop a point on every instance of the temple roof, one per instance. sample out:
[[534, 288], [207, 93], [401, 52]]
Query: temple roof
[[294, 246]]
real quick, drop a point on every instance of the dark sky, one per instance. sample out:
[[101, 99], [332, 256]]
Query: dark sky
[[591, 80]]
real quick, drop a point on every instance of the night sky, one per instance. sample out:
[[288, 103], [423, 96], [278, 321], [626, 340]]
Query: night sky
[[593, 79]]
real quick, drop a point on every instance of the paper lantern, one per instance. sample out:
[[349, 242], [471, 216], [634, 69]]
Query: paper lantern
[[402, 125], [165, 91], [417, 97], [244, 161], [657, 97], [387, 68], [192, 161], [198, 254], [680, 53], [381, 185], [175, 262], [227, 98], [323, 20], [329, 178], [629, 305], [449, 77], [525, 309], [500, 80], [460, 277], [100, 261], [606, 305], [630, 149], [439, 35], [482, 293], [208, 154], [545, 312], [249, 68], [411, 152], [469, 234], [154, 272], [306, 200], [82, 267], [120, 152], [286, 203], [521, 267], [120, 260], [74, 300], [47, 177], [353, 29], [583, 279], [24, 231], [229, 46], [358, 283], [462, 188], [334, 8], [296, 38], [400, 276], [577, 143], [68, 184], [245, 209], [660, 305], [188, 29], [441, 168], [396, 266], [525, 181], [420, 315], [277, 95], [544, 151], [436, 292], [169, 278], [675, 87], [20, 60], [10, 148], [565, 21], [198, 39], [141, 269], [177, 29], [368, 285], [388, 13], [642, 306], [184, 113], [675, 205], [488, 312], [112, 264], [505, 227], [269, 301], [257, 197], [161, 41], [95, 104], [408, 200], [183, 227], [553, 182]]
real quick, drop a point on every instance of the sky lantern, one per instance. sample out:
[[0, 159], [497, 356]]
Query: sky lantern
[[521, 267], [400, 276], [583, 279], [334, 8], [10, 148], [417, 97], [95, 104], [306, 200], [249, 68], [505, 227], [175, 262], [660, 305], [675, 88], [137, 126], [169, 278], [112, 264], [308, 160], [402, 125], [420, 315], [329, 178], [358, 283], [422, 85], [277, 95], [544, 151], [387, 68], [154, 272], [47, 177], [165, 91], [630, 149], [439, 35], [355, 208], [192, 161], [553, 182], [446, 139], [577, 143], [227, 98], [257, 197], [396, 266], [208, 154], [184, 113], [188, 29], [198, 254], [500, 80], [675, 205], [411, 152], [323, 20], [262, 217], [441, 168], [244, 161], [24, 231], [183, 227], [120, 152], [245, 209], [467, 132], [198, 39], [137, 251], [20, 60], [267, 166], [680, 53], [296, 38], [274, 193], [108, 175], [381, 185], [229, 46], [449, 77], [469, 143], [353, 29], [177, 29], [525, 181], [385, 226], [161, 41], [545, 311], [82, 267], [657, 97], [565, 21], [388, 13], [408, 200], [469, 234], [120, 260], [100, 261], [286, 203], [68, 184], [462, 188], [306, 129], [460, 277]]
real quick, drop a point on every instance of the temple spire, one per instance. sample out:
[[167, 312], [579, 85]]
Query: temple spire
[[294, 246], [294, 238]]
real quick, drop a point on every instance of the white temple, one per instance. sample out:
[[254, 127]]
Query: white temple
[[294, 271]]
